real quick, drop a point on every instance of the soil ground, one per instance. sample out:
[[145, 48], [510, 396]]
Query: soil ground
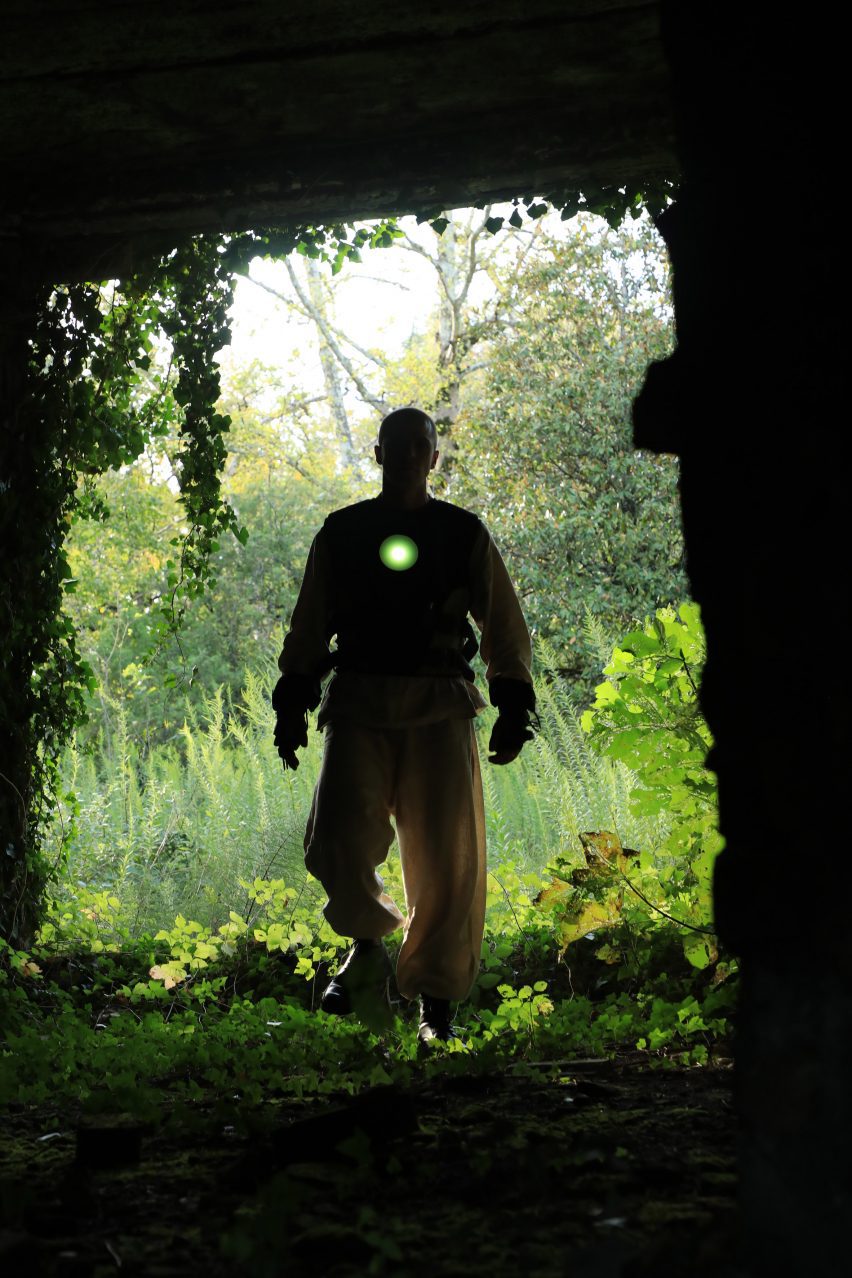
[[595, 1169]]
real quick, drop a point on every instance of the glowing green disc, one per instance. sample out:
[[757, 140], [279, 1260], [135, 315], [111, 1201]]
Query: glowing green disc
[[398, 552]]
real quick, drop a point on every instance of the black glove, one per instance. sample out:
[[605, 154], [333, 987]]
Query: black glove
[[515, 700], [507, 738], [291, 732], [292, 697]]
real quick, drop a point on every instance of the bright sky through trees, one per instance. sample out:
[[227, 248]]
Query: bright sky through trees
[[381, 301]]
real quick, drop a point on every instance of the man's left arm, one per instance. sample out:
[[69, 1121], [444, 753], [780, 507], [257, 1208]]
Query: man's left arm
[[506, 649]]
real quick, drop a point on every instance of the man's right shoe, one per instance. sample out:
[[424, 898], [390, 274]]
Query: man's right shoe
[[361, 982], [435, 1021]]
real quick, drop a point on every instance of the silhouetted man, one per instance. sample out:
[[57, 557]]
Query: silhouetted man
[[394, 578]]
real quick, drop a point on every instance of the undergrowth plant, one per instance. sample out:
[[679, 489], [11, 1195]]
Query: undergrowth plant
[[229, 1018], [183, 955], [174, 828], [559, 786], [647, 718]]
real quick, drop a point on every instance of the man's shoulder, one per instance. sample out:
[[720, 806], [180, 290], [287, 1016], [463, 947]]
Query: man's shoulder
[[457, 519], [451, 511], [349, 514], [358, 511]]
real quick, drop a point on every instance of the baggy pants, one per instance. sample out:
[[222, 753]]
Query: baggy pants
[[428, 777]]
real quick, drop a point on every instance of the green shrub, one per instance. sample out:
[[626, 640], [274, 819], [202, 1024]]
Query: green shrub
[[647, 718]]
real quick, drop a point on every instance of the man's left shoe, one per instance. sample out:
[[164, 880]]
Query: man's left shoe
[[435, 1024]]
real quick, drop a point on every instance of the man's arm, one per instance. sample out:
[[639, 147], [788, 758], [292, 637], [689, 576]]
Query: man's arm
[[506, 649], [304, 657]]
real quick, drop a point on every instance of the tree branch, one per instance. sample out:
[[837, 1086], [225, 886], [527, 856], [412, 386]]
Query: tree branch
[[378, 360], [282, 297], [332, 343]]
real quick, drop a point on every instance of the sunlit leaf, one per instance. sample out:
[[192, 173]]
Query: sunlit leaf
[[595, 915], [700, 949]]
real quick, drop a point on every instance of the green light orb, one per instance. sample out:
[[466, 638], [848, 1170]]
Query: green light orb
[[398, 553]]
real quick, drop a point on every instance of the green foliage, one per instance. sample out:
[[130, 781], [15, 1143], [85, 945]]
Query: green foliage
[[214, 1000], [88, 405], [194, 319], [173, 827], [176, 826], [97, 393], [184, 827], [76, 414], [618, 541], [647, 717], [280, 490], [545, 451], [82, 413], [132, 1035], [183, 948], [332, 244], [612, 201]]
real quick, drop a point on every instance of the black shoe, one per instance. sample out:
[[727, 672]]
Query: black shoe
[[362, 980], [435, 1021]]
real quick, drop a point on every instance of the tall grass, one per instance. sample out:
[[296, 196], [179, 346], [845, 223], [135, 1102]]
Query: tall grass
[[173, 829]]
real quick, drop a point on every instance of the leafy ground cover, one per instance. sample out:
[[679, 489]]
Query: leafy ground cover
[[167, 1075], [222, 1122]]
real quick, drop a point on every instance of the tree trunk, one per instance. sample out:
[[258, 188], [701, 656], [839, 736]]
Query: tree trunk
[[446, 410], [330, 368]]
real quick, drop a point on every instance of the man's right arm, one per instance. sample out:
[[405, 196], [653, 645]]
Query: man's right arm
[[304, 657]]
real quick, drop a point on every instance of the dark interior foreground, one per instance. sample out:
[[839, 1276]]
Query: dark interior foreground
[[123, 129]]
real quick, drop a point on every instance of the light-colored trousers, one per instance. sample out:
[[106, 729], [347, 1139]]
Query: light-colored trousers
[[428, 778]]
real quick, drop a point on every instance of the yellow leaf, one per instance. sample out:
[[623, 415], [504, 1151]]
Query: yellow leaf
[[168, 973], [600, 845], [555, 892], [595, 915], [603, 851]]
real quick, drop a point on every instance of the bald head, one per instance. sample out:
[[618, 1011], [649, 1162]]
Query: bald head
[[407, 450], [403, 420]]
